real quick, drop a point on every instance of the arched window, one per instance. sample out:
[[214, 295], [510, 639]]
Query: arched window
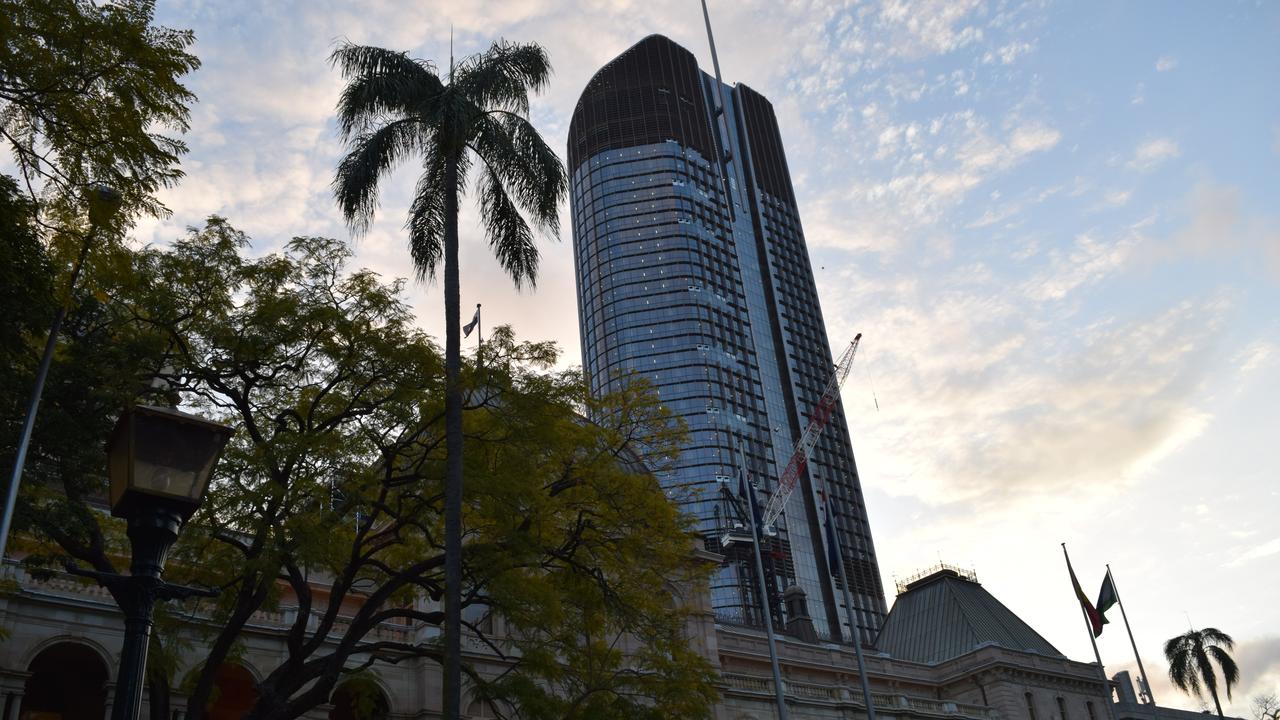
[[359, 698], [234, 693], [68, 681]]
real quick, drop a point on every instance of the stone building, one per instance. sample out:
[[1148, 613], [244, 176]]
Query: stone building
[[948, 649]]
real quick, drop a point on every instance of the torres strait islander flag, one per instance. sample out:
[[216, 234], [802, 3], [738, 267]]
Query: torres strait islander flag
[[1106, 598]]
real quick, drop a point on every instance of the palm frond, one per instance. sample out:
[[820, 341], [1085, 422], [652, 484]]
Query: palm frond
[[529, 169], [509, 236], [374, 154], [503, 76], [1178, 651], [426, 221], [1216, 636], [1230, 672], [370, 100], [1204, 669], [365, 60]]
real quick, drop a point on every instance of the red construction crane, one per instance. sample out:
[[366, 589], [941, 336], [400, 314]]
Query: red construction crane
[[804, 447]]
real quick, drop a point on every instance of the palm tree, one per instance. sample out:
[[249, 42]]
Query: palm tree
[[395, 108], [1189, 657]]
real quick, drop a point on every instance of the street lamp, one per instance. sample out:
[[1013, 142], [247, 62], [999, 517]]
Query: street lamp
[[160, 461]]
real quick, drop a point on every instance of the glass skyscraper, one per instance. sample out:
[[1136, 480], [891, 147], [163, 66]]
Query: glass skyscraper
[[693, 273]]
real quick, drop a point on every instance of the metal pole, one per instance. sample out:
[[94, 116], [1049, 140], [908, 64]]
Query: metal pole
[[854, 634], [33, 405], [152, 531], [1150, 693], [779, 694], [731, 195], [1106, 683]]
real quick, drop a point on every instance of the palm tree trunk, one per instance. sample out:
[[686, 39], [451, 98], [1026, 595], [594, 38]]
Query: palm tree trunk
[[1214, 692], [453, 449]]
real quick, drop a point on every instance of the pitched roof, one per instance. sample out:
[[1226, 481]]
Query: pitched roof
[[945, 615]]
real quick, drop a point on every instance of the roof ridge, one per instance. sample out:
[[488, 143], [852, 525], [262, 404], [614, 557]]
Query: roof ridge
[[960, 602]]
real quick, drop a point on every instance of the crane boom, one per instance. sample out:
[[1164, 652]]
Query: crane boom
[[809, 439]]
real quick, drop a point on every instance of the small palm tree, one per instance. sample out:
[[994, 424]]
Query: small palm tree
[[395, 108], [1190, 657]]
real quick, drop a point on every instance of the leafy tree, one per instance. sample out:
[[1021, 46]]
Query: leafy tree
[[25, 271], [395, 108], [328, 504], [1191, 657], [86, 90]]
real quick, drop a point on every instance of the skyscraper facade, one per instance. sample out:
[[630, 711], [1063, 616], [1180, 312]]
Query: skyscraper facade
[[693, 273]]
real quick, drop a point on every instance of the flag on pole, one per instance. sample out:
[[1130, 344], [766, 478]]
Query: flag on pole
[[1106, 598], [466, 329], [1095, 618]]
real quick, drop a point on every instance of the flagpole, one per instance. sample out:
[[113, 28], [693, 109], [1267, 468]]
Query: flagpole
[[479, 328], [853, 626], [1106, 683], [779, 695], [1145, 681]]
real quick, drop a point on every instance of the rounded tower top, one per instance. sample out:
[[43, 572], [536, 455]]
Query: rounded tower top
[[649, 94]]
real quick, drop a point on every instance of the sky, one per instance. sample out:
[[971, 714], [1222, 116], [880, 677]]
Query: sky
[[1055, 223]]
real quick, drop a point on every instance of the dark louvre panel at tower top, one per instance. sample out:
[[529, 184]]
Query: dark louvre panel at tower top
[[765, 143], [647, 95]]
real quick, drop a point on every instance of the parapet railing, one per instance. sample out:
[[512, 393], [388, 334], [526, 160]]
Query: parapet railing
[[888, 703]]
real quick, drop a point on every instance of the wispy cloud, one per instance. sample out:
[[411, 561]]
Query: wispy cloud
[[1257, 552], [1165, 63], [1116, 198], [1153, 152], [1217, 227]]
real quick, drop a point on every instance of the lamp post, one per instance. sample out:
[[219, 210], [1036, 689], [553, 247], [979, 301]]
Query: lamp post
[[104, 202], [160, 461]]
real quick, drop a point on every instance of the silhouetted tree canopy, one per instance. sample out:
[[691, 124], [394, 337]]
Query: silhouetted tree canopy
[[327, 506]]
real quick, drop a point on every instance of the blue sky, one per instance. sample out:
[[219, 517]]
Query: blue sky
[[1055, 223]]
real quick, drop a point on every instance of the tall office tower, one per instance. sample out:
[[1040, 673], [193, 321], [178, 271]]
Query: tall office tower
[[693, 273]]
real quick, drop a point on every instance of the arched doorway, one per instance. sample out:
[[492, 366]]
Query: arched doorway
[[234, 693], [359, 698], [68, 682]]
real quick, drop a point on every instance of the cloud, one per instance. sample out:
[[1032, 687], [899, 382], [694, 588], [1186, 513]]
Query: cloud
[[1139, 95], [1153, 152], [1217, 227], [996, 397], [1165, 63], [919, 28], [1255, 356], [1257, 552], [1116, 198], [1088, 261], [1007, 54], [1259, 662]]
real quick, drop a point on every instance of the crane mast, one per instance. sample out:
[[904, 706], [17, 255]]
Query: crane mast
[[809, 439]]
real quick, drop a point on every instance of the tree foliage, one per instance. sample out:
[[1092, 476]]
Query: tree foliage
[[87, 93], [327, 508], [1191, 657]]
